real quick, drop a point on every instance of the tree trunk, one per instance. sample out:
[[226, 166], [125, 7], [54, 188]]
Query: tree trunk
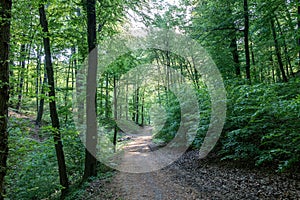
[[91, 121], [21, 83], [126, 101], [37, 83], [79, 88], [253, 61], [137, 106], [246, 40], [272, 66], [27, 67], [5, 16], [235, 55], [195, 73], [74, 66], [106, 97], [11, 74], [67, 90], [277, 49], [101, 98], [42, 102], [287, 57], [143, 114], [115, 114], [52, 104]]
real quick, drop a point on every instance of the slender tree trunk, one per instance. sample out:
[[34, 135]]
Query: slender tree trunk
[[142, 111], [91, 118], [137, 106], [106, 97], [27, 68], [133, 111], [168, 59], [246, 40], [234, 45], [158, 83], [277, 49], [115, 114], [181, 72], [52, 104], [253, 61], [79, 88], [74, 63], [196, 76], [21, 83], [37, 83], [5, 16], [11, 74], [42, 101], [101, 97], [287, 57], [126, 99], [261, 73], [67, 90], [271, 70], [55, 73], [272, 67], [235, 55]]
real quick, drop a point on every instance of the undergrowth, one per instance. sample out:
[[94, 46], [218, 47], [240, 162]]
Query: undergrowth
[[262, 125]]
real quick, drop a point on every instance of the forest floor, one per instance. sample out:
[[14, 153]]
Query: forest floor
[[189, 178]]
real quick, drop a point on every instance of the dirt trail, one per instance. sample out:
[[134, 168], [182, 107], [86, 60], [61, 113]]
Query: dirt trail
[[190, 179], [152, 185]]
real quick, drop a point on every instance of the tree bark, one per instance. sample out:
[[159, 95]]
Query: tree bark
[[126, 101], [106, 97], [137, 106], [143, 109], [101, 98], [235, 55], [5, 16], [253, 61], [287, 57], [91, 122], [42, 102], [277, 49], [246, 40], [115, 114], [52, 104], [69, 70], [21, 83], [195, 73], [37, 83]]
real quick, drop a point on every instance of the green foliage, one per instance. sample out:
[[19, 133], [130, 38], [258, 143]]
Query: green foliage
[[32, 161], [173, 104], [263, 124], [171, 120], [32, 164], [205, 111]]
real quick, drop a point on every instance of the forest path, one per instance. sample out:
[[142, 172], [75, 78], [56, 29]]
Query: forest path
[[150, 185], [155, 185], [189, 178]]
